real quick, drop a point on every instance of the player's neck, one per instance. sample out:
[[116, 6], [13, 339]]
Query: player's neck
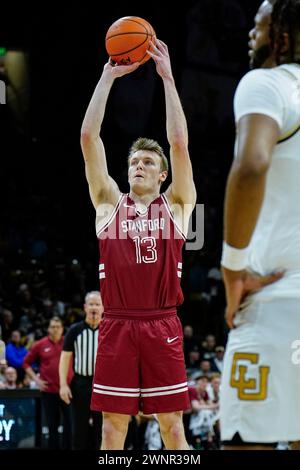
[[144, 199]]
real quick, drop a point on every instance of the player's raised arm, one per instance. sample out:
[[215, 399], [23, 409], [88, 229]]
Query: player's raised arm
[[182, 189], [103, 188]]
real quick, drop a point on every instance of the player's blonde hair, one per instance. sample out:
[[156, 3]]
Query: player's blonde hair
[[142, 143]]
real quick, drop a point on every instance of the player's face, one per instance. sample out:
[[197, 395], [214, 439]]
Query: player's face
[[260, 52], [93, 308], [144, 171]]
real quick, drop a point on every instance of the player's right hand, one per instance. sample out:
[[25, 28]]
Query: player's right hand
[[65, 394], [116, 71], [239, 284]]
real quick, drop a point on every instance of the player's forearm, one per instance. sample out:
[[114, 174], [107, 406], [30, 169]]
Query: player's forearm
[[95, 112], [64, 364], [244, 197], [176, 123]]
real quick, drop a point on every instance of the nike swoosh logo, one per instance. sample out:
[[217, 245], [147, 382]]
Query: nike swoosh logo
[[47, 349], [126, 205], [171, 340]]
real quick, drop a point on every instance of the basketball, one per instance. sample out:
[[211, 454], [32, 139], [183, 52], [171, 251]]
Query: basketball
[[127, 40]]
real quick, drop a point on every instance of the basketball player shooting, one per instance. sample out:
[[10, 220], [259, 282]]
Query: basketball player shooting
[[140, 363]]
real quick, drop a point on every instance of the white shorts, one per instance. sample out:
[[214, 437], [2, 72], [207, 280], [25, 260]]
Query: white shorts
[[260, 389]]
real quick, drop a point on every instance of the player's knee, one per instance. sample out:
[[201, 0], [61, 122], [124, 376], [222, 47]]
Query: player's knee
[[172, 426], [113, 423]]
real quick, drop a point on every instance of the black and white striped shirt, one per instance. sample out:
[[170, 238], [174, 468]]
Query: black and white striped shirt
[[82, 340]]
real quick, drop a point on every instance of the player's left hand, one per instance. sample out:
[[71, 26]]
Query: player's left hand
[[160, 54], [239, 284]]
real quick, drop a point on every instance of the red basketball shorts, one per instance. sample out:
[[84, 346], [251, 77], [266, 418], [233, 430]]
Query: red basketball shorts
[[140, 366]]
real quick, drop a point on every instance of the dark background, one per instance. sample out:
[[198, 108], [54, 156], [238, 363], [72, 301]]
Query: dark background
[[47, 237]]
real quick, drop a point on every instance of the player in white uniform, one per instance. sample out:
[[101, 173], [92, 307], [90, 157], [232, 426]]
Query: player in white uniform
[[260, 392]]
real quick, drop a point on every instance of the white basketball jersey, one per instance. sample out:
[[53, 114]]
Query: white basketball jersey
[[275, 244]]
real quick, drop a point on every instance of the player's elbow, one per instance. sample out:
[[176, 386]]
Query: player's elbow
[[252, 167], [178, 142], [86, 137]]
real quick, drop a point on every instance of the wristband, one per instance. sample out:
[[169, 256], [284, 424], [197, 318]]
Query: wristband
[[235, 259]]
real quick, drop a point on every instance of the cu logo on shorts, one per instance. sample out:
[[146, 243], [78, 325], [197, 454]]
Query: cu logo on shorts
[[249, 388]]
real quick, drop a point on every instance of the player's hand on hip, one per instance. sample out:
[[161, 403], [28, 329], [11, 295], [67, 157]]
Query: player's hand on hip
[[239, 284], [65, 394], [160, 54], [117, 71]]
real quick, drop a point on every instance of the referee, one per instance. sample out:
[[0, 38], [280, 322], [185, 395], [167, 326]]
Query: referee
[[81, 342]]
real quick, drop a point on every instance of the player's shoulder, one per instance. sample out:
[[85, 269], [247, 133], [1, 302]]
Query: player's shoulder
[[259, 79]]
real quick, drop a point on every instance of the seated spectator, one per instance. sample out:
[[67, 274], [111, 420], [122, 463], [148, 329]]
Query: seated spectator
[[15, 353], [217, 361], [203, 369], [209, 345], [203, 414], [193, 361], [10, 382], [213, 388]]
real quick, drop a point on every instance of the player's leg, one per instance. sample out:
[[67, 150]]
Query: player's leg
[[114, 430], [164, 390], [172, 430], [116, 389]]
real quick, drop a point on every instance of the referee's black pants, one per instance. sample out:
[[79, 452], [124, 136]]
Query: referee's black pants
[[87, 424]]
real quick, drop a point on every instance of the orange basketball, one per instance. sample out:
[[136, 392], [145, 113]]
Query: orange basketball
[[127, 40]]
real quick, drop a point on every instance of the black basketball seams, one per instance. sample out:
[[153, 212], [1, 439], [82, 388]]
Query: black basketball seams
[[132, 49], [138, 32], [129, 32]]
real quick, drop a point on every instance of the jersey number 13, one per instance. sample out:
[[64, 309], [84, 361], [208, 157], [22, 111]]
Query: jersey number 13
[[148, 244]]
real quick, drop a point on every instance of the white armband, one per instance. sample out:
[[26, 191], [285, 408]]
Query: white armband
[[235, 259]]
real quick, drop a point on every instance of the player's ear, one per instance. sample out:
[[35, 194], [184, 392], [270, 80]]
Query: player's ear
[[163, 176], [286, 43]]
